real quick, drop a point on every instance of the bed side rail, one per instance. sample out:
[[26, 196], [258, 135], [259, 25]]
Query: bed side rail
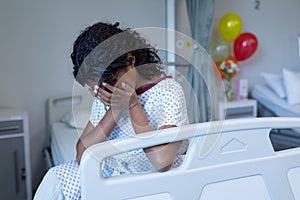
[[231, 159]]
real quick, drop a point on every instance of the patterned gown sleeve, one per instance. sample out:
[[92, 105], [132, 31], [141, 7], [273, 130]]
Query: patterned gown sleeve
[[173, 107]]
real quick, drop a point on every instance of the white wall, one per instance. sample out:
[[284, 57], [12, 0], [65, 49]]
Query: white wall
[[36, 40], [275, 25]]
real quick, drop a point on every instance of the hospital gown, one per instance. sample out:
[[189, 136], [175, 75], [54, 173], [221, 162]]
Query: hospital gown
[[163, 104]]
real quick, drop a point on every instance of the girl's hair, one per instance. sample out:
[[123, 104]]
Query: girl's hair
[[94, 35]]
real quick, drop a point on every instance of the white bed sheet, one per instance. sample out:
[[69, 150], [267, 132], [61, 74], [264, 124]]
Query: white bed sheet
[[63, 143], [271, 101]]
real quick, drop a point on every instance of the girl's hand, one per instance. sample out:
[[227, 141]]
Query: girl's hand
[[133, 100], [103, 94], [121, 97]]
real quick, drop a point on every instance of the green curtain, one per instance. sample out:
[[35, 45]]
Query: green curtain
[[203, 76], [202, 79]]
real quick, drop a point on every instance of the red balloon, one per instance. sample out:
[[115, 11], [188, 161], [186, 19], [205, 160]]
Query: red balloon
[[244, 46]]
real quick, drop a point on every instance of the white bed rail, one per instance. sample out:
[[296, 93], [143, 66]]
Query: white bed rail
[[231, 159]]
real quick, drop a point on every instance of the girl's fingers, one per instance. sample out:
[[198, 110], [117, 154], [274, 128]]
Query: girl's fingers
[[104, 96], [127, 87], [109, 87], [115, 91], [96, 89], [119, 97], [105, 102]]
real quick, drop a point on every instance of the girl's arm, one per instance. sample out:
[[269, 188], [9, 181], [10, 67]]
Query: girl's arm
[[93, 135], [161, 156]]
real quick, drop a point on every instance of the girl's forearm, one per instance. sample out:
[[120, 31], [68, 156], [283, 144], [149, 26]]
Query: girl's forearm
[[138, 119], [161, 156], [93, 135]]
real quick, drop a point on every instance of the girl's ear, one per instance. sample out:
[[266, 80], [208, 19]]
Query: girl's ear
[[131, 59]]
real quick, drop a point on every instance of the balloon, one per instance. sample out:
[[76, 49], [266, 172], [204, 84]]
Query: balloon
[[244, 46], [222, 73], [230, 26], [218, 49]]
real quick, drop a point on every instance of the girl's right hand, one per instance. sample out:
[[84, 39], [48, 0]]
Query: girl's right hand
[[103, 94], [118, 98]]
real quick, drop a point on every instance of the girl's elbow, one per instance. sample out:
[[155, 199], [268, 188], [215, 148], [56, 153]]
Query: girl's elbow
[[78, 158], [162, 157], [164, 169], [79, 150], [163, 163]]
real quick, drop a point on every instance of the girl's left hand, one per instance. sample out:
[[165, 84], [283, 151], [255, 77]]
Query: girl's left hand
[[121, 97]]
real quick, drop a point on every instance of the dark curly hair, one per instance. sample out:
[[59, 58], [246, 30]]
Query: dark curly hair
[[93, 36]]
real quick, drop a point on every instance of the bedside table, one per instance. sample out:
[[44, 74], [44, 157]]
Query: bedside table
[[238, 109], [15, 170]]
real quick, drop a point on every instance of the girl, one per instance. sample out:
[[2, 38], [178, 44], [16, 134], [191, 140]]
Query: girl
[[132, 96]]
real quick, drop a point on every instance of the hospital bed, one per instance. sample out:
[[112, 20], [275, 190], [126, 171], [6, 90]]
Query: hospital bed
[[231, 159], [66, 116], [271, 105]]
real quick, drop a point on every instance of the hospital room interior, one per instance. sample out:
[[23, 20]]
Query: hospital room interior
[[249, 87]]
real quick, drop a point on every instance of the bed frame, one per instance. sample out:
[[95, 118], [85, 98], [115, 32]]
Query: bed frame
[[281, 138], [59, 106], [231, 159], [237, 163]]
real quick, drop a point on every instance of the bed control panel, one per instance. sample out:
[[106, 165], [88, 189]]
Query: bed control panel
[[238, 109]]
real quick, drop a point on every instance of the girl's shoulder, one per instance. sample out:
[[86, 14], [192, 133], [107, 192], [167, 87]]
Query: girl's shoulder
[[166, 87], [171, 85]]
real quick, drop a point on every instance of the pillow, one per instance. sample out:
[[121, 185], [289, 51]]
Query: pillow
[[275, 82], [292, 84], [78, 118]]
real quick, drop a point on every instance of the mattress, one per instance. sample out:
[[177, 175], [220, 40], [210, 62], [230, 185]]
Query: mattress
[[264, 95], [63, 143], [273, 105]]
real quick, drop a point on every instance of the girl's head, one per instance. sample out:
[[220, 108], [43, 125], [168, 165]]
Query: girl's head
[[88, 58]]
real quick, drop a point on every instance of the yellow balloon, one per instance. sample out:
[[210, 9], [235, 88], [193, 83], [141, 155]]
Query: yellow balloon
[[230, 26]]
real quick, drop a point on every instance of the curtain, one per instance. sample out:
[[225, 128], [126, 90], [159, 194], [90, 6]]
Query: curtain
[[202, 77]]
